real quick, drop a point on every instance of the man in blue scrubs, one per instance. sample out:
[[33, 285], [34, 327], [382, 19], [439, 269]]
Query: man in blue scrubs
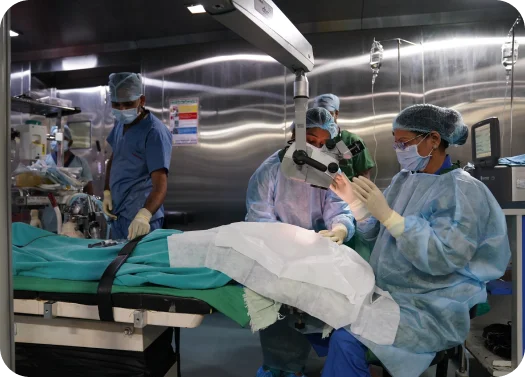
[[137, 172]]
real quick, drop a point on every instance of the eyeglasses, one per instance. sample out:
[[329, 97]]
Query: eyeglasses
[[402, 145]]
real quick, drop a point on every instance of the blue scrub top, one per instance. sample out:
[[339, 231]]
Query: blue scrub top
[[144, 148], [447, 164]]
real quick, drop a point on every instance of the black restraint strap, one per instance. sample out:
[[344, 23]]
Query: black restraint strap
[[105, 304]]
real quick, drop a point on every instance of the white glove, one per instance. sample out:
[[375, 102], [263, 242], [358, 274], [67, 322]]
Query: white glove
[[343, 188], [140, 224], [337, 234], [35, 221], [107, 205], [376, 203]]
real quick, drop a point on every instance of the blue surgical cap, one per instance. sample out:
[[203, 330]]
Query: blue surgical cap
[[318, 117], [66, 130], [125, 86], [329, 102], [427, 118]]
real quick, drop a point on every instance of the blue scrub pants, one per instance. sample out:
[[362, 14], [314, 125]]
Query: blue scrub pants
[[119, 227], [346, 357]]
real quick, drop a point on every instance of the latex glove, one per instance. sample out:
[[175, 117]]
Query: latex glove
[[337, 234], [107, 205], [376, 203], [140, 224], [36, 223], [343, 188]]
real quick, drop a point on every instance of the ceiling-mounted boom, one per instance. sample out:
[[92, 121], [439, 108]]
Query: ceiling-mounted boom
[[262, 24]]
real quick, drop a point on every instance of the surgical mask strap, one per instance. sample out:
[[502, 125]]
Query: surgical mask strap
[[431, 150]]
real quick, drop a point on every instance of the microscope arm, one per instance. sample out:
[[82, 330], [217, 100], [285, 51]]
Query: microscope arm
[[262, 24]]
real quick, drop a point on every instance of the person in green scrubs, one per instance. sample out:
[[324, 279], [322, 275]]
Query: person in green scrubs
[[361, 164]]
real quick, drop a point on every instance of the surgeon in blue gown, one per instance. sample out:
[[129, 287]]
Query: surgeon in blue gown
[[137, 172], [439, 237], [272, 197]]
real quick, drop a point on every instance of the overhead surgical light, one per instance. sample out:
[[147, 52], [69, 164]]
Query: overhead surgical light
[[13, 33], [195, 9]]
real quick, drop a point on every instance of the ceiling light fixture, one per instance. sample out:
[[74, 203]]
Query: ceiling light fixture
[[194, 9]]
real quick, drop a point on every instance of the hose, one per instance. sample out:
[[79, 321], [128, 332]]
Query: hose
[[57, 212], [375, 137]]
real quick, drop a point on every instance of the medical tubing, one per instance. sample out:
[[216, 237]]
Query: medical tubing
[[375, 137], [504, 108], [57, 212]]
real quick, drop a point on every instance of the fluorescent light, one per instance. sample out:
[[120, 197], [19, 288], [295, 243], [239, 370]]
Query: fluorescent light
[[194, 9], [13, 33], [79, 62]]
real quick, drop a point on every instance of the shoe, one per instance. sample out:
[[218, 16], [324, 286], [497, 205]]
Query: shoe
[[498, 339], [263, 372]]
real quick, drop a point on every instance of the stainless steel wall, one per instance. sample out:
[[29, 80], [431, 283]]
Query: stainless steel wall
[[244, 110], [20, 78], [239, 127], [96, 110], [246, 103]]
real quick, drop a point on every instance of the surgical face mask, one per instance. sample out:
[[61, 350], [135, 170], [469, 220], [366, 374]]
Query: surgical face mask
[[125, 116], [410, 159]]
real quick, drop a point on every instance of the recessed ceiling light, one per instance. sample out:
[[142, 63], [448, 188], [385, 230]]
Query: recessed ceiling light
[[194, 9], [13, 33]]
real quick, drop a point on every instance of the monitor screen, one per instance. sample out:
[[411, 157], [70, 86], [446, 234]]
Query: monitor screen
[[483, 146]]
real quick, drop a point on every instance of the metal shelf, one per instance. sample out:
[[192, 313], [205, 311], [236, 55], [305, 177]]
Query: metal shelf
[[30, 106]]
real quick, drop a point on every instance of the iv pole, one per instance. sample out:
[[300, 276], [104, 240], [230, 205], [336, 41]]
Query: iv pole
[[512, 32], [399, 41]]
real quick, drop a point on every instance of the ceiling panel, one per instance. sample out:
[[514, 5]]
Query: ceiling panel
[[384, 8], [48, 24], [59, 23]]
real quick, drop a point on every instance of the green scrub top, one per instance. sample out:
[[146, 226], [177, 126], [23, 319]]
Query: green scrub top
[[358, 164], [353, 167]]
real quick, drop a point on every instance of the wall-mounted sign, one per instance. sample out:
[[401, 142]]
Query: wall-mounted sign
[[184, 121]]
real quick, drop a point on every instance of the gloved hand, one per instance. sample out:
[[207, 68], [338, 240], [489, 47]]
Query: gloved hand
[[107, 205], [337, 234], [140, 224], [343, 188], [376, 203], [35, 221]]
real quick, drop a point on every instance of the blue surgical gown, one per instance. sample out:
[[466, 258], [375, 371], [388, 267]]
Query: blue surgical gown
[[272, 197], [455, 240], [76, 162], [144, 148]]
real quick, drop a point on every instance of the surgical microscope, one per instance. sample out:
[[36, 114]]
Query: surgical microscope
[[262, 24]]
